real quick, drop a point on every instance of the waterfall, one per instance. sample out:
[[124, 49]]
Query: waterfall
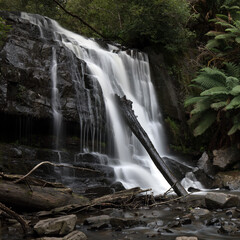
[[56, 107], [117, 72]]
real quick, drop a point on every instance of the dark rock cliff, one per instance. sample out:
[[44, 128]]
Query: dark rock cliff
[[25, 79]]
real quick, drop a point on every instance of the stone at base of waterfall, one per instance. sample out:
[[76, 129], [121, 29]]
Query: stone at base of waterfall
[[225, 158], [56, 226], [229, 180], [221, 200], [75, 235], [186, 238]]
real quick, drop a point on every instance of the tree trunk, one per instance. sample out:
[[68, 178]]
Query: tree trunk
[[33, 198], [134, 125]]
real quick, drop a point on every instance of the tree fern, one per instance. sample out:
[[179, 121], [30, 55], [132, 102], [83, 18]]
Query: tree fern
[[205, 122], [201, 106], [236, 125], [235, 103], [232, 69], [218, 105], [215, 91], [193, 100]]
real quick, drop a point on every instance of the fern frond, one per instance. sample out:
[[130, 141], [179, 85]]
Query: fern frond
[[210, 77], [193, 100], [234, 128], [237, 39], [201, 106], [232, 82], [196, 86], [235, 103], [213, 33], [212, 44], [218, 105], [236, 91], [208, 119], [215, 91], [225, 36], [236, 125], [232, 69]]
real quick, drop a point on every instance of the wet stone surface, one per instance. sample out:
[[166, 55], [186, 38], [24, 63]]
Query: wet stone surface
[[175, 220]]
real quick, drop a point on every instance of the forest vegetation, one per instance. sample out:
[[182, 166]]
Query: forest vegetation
[[205, 34]]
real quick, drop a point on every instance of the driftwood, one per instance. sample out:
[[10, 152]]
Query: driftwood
[[33, 198], [126, 109], [55, 165], [30, 180], [25, 227], [123, 199]]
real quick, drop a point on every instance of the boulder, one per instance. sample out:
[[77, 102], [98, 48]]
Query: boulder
[[221, 200], [225, 158], [186, 238], [56, 226], [200, 212], [75, 235], [229, 180], [98, 222]]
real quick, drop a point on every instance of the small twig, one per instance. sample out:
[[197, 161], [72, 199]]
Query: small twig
[[171, 200], [10, 212], [55, 165], [80, 19]]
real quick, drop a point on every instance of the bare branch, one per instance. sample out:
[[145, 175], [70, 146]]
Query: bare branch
[[55, 165], [80, 19]]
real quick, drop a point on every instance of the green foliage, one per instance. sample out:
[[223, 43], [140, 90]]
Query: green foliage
[[43, 7], [220, 94], [4, 29], [138, 23]]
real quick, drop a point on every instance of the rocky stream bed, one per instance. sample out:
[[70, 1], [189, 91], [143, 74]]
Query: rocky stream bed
[[212, 215]]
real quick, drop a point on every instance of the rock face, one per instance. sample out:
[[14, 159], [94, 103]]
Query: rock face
[[56, 226], [26, 81], [221, 200], [229, 180], [225, 158], [165, 86]]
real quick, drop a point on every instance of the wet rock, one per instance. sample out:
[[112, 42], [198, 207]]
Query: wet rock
[[48, 238], [213, 222], [16, 153], [174, 224], [205, 164], [56, 226], [229, 180], [75, 235], [186, 238], [152, 234], [224, 158], [228, 228], [200, 212], [117, 186], [99, 191], [98, 222], [221, 200], [185, 221], [123, 223]]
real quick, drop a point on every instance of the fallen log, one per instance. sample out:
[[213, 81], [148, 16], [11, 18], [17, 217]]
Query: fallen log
[[128, 113], [35, 198], [24, 225], [119, 199]]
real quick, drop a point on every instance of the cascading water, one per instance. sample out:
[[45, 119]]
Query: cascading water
[[117, 72], [56, 107]]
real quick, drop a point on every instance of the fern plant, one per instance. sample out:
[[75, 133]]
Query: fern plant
[[219, 95]]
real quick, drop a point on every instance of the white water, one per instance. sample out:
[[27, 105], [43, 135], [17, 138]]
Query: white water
[[124, 73], [56, 106]]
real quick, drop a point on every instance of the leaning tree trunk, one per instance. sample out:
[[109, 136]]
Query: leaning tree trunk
[[134, 125]]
